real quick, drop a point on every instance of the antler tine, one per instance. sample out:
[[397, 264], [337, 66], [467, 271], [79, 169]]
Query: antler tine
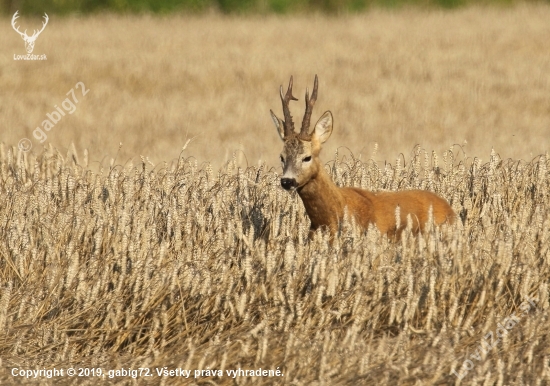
[[13, 19], [310, 102], [44, 24], [289, 125]]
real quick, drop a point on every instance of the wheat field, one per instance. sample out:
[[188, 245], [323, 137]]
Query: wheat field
[[180, 267], [179, 251]]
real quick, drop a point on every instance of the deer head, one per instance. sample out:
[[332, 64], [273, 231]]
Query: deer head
[[29, 40], [300, 155]]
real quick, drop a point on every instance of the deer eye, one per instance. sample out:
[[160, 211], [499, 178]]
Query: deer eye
[[282, 159], [307, 159]]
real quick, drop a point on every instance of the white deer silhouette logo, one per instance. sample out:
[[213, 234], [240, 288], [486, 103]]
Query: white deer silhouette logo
[[29, 40]]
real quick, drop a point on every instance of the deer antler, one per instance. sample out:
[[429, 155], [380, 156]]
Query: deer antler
[[24, 34], [304, 132], [15, 17], [35, 34], [288, 124]]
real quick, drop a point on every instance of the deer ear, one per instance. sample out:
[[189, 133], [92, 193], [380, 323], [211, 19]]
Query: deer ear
[[279, 124], [323, 127]]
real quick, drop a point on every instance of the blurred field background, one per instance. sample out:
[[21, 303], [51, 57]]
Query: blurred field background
[[479, 75], [232, 6]]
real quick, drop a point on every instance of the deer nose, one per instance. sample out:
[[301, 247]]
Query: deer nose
[[288, 183]]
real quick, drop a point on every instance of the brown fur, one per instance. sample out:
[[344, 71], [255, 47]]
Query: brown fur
[[325, 203]]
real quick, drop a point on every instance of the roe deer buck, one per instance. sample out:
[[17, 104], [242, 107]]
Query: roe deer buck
[[324, 201]]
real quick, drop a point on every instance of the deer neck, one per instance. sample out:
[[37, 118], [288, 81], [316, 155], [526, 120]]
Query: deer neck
[[323, 200]]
